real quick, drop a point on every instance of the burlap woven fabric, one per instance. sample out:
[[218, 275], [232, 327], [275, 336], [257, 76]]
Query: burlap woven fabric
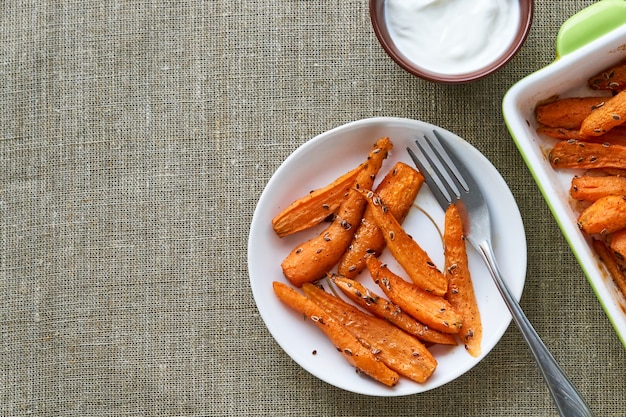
[[135, 140]]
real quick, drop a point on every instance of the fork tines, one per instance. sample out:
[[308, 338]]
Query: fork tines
[[438, 164]]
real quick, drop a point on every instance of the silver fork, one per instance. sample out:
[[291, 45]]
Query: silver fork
[[451, 182]]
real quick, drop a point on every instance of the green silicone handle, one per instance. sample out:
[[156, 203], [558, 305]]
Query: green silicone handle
[[589, 24]]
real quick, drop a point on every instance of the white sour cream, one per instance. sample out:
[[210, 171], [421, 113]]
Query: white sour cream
[[452, 36]]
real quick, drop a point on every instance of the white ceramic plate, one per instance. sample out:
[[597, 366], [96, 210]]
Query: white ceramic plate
[[567, 77], [318, 162]]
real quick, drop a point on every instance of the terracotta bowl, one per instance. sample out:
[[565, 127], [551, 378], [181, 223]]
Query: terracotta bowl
[[379, 23]]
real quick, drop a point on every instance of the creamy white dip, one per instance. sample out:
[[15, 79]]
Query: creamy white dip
[[452, 36]]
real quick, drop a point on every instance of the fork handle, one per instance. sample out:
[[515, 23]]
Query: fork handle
[[567, 399]]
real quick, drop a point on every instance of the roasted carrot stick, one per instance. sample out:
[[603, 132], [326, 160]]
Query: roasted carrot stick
[[612, 265], [620, 172], [400, 351], [567, 113], [311, 260], [615, 136], [434, 311], [611, 79], [603, 216], [460, 287], [592, 187], [606, 117], [409, 254], [617, 244], [355, 353], [389, 311], [314, 207], [582, 155], [398, 190]]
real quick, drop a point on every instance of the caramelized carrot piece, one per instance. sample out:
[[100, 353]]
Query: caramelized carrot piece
[[611, 265], [409, 254], [355, 353], [311, 260], [606, 117], [582, 155], [591, 187], [460, 287], [567, 113], [620, 172], [434, 311], [615, 136], [400, 351], [603, 216], [612, 79], [389, 311], [617, 244], [398, 190], [314, 207]]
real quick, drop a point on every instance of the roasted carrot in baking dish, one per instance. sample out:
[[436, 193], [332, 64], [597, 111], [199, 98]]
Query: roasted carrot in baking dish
[[611, 264], [606, 117], [617, 244], [615, 136], [584, 155], [603, 216], [567, 113], [593, 187], [611, 79]]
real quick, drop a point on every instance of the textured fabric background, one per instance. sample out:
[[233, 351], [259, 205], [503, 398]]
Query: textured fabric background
[[135, 140]]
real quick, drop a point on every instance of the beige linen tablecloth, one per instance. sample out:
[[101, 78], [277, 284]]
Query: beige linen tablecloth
[[135, 140]]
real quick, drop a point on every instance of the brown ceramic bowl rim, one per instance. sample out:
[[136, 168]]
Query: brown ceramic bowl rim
[[377, 16]]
